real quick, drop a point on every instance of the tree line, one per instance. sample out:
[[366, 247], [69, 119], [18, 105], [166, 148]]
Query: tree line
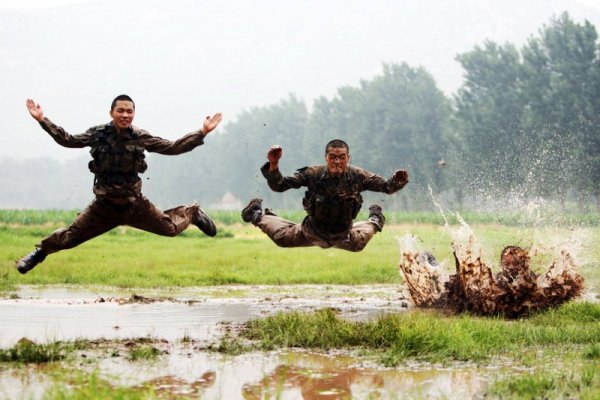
[[524, 123]]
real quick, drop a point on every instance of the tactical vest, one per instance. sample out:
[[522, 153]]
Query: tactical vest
[[115, 161], [332, 202]]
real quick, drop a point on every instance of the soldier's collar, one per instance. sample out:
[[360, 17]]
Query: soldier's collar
[[127, 132]]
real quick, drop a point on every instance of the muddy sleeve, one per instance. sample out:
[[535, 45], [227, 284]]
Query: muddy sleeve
[[376, 183], [279, 183], [65, 139], [159, 145]]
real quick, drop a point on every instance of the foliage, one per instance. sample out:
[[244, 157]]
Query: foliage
[[529, 118]]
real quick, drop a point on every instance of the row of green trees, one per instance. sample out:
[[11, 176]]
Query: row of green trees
[[529, 119], [525, 122]]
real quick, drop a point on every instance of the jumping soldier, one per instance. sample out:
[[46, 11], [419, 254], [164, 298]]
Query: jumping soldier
[[332, 201], [117, 150]]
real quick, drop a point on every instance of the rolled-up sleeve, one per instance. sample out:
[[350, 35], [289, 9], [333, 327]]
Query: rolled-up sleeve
[[63, 138]]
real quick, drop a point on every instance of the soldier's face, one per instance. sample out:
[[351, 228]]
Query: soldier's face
[[337, 159], [123, 113]]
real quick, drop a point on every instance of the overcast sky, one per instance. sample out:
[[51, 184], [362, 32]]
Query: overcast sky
[[183, 59]]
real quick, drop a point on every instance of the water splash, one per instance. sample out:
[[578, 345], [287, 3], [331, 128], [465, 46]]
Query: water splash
[[515, 291]]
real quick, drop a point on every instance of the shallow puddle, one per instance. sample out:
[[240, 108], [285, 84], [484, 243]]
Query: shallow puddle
[[201, 315], [58, 313], [275, 375]]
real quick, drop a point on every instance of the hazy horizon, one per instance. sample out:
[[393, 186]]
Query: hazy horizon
[[183, 61]]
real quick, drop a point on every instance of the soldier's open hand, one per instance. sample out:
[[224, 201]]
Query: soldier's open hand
[[211, 123], [35, 110], [400, 177]]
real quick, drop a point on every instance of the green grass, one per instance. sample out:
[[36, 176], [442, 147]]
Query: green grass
[[145, 352], [241, 254], [26, 351], [582, 383], [558, 217], [432, 336]]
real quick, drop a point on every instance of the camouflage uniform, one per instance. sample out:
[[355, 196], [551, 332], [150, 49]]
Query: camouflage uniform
[[117, 161], [331, 202]]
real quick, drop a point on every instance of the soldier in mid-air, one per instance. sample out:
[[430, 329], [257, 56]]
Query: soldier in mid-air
[[117, 150], [332, 201]]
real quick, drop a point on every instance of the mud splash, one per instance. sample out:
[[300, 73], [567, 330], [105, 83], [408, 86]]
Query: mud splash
[[513, 292]]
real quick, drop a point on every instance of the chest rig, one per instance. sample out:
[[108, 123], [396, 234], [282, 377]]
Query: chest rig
[[333, 202], [116, 160]]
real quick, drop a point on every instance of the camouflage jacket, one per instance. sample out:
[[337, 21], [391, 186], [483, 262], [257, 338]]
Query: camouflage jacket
[[331, 202], [118, 159]]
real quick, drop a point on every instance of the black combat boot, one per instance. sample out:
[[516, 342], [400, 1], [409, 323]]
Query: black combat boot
[[27, 263], [376, 216], [205, 224], [253, 211]]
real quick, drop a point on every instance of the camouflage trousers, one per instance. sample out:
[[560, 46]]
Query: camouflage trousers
[[102, 215], [289, 234]]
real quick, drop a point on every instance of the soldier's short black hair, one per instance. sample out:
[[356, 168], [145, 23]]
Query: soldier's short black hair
[[122, 97], [337, 143]]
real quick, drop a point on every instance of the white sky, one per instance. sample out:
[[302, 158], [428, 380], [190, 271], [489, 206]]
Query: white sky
[[183, 59]]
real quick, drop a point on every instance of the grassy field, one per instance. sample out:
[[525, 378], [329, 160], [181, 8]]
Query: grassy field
[[559, 350], [241, 254]]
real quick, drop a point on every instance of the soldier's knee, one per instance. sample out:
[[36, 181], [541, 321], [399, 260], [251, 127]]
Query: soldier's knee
[[358, 247], [281, 242], [171, 231]]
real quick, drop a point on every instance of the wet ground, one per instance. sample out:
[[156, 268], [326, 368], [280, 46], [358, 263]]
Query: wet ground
[[181, 322], [46, 314]]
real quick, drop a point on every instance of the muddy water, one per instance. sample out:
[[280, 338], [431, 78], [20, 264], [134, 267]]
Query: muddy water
[[58, 313], [281, 375]]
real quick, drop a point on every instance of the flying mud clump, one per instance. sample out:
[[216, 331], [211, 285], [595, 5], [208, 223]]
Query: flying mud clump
[[513, 292]]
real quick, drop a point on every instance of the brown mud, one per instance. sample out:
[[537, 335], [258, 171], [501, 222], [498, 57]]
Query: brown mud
[[513, 292]]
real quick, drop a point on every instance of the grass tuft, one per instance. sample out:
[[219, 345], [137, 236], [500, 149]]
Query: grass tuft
[[148, 353], [26, 351], [427, 336]]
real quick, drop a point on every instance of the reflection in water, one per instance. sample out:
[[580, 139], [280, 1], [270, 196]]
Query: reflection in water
[[313, 384], [171, 385], [287, 375], [312, 376]]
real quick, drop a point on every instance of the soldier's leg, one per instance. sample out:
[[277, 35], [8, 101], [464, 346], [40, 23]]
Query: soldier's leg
[[358, 237], [283, 232], [97, 218], [148, 217]]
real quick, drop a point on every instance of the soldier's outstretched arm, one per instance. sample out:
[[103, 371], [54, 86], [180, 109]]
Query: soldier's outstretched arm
[[56, 132], [186, 143], [376, 183], [276, 181]]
